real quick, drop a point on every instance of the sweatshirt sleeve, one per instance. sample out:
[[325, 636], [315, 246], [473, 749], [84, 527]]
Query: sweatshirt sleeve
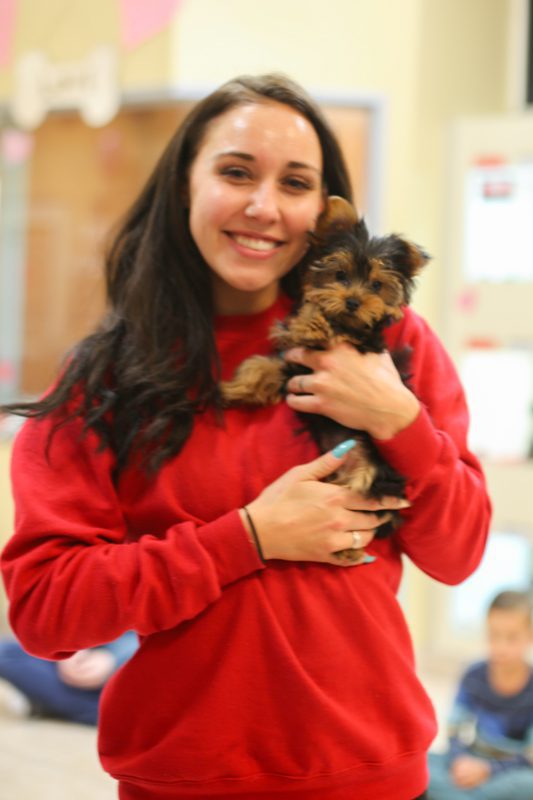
[[444, 532], [74, 579]]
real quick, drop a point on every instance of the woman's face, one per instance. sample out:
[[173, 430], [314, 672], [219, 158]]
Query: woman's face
[[255, 190]]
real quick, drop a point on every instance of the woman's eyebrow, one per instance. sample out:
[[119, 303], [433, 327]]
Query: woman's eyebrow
[[235, 154], [250, 157], [303, 165]]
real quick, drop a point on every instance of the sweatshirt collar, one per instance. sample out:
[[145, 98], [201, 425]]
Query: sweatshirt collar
[[229, 325]]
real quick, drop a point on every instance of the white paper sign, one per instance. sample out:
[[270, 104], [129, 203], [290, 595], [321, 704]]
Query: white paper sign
[[499, 389], [499, 223]]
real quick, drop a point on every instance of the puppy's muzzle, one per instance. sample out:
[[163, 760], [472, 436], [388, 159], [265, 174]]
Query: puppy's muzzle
[[352, 304]]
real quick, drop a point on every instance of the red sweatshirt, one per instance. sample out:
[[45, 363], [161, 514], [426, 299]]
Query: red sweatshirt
[[290, 679]]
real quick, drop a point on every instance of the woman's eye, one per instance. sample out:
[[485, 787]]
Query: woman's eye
[[341, 276], [237, 173], [376, 286], [298, 184]]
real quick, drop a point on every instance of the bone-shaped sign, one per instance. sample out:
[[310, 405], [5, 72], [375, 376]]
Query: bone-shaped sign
[[90, 85]]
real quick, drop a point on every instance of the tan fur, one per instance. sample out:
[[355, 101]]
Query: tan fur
[[258, 382]]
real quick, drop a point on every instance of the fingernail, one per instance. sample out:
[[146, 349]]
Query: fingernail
[[395, 502], [343, 448], [402, 504], [368, 559], [281, 353]]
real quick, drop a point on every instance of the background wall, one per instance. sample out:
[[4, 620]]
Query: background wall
[[428, 60]]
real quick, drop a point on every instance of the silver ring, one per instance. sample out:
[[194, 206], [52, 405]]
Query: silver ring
[[357, 539]]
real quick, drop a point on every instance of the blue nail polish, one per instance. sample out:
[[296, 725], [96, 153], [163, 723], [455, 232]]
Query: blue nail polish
[[343, 448], [368, 559]]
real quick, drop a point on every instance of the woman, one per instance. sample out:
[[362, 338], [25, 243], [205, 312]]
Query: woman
[[265, 668]]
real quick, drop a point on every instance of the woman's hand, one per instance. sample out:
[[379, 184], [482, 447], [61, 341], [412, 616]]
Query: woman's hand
[[87, 669], [300, 518], [362, 392]]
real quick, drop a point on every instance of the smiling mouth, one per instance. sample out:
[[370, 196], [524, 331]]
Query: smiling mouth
[[254, 243]]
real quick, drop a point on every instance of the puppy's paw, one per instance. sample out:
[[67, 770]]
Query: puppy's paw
[[259, 381]]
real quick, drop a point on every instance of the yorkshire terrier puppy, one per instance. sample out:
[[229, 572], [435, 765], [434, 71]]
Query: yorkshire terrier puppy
[[353, 289]]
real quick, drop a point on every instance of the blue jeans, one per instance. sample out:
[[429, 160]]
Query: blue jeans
[[516, 784], [39, 681]]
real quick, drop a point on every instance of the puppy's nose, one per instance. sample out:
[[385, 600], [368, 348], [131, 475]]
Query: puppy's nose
[[352, 304]]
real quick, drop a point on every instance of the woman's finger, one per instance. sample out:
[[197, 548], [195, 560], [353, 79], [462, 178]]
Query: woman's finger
[[327, 463], [300, 384], [299, 355], [356, 539], [308, 403], [367, 521], [383, 504]]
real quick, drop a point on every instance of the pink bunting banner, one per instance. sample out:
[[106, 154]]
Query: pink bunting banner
[[7, 30], [142, 19]]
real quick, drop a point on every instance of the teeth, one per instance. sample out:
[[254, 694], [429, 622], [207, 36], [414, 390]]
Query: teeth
[[255, 244]]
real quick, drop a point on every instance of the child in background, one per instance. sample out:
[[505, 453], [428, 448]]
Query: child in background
[[491, 725], [68, 689]]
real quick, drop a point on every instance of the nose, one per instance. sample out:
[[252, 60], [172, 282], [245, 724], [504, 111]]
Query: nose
[[352, 304], [263, 204]]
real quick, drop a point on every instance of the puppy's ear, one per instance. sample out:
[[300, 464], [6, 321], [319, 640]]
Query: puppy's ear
[[407, 259], [411, 258], [339, 215]]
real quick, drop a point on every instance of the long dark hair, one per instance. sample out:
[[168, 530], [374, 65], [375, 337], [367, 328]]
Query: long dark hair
[[151, 364]]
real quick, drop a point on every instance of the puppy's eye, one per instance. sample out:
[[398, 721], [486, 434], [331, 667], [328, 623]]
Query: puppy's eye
[[376, 286], [341, 276]]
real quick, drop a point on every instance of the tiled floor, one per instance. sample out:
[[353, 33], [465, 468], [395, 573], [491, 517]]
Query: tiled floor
[[50, 761]]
